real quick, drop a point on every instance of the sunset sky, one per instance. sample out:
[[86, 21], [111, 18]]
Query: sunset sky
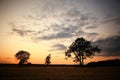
[[44, 27]]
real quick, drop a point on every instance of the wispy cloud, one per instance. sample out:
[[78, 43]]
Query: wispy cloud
[[59, 47], [91, 27], [22, 32], [115, 20]]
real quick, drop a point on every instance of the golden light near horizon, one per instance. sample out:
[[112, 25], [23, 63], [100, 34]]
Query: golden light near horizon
[[44, 27]]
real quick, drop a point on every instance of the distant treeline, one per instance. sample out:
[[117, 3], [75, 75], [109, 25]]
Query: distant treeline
[[115, 62]]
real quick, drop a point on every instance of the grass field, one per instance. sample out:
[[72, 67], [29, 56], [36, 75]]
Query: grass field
[[59, 73]]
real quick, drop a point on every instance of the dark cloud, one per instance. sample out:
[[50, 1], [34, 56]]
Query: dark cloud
[[7, 58], [72, 13], [115, 20], [91, 27], [110, 46], [21, 32], [119, 32], [92, 34], [79, 18], [30, 16], [111, 7], [58, 35], [62, 32], [108, 9], [59, 47], [71, 29]]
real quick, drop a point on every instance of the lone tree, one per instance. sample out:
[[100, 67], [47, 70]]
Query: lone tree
[[22, 56], [81, 48]]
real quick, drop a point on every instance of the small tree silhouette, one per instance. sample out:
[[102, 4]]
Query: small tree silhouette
[[23, 56], [47, 60], [81, 48]]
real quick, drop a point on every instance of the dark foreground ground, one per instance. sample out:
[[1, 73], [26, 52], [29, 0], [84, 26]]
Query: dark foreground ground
[[63, 72]]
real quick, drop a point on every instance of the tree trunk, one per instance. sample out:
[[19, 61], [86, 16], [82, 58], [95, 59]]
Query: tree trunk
[[81, 59], [22, 61]]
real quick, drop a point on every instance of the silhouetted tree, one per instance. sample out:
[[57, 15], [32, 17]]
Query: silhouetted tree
[[47, 60], [22, 56], [81, 48]]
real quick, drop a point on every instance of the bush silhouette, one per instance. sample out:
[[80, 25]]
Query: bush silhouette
[[47, 60]]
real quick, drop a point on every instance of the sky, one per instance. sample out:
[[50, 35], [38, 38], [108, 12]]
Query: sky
[[44, 27]]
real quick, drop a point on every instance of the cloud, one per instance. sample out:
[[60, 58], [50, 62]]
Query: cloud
[[71, 25], [8, 58], [56, 31], [79, 18], [59, 47], [63, 32], [111, 7], [91, 27], [115, 20], [72, 13], [63, 22], [92, 34], [21, 32], [119, 32], [110, 46], [5, 60], [107, 11]]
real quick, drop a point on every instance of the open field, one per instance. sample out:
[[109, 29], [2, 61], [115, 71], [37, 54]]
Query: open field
[[58, 73]]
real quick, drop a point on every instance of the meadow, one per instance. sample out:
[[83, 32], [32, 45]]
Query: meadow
[[58, 72]]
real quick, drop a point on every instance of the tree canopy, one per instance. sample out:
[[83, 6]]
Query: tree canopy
[[23, 56]]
